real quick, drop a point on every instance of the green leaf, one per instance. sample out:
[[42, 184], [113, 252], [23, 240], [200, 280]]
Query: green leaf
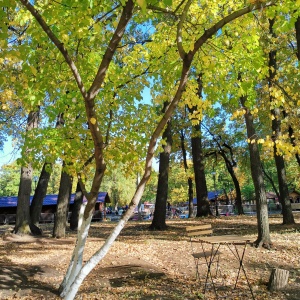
[[142, 4], [168, 2]]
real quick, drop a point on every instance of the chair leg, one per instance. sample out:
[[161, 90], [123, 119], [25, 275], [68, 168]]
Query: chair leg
[[197, 270]]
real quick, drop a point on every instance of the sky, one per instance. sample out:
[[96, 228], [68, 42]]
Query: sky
[[8, 154]]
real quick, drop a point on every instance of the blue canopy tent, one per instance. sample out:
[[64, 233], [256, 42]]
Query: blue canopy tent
[[210, 195], [8, 205]]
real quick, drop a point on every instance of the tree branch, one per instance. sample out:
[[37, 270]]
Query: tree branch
[[181, 51], [57, 43], [211, 31], [112, 46]]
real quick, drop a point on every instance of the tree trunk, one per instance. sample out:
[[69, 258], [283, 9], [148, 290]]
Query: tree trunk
[[76, 208], [23, 213], [203, 206], [190, 180], [23, 223], [278, 279], [287, 214], [159, 218], [39, 195], [229, 166], [191, 198], [291, 131], [263, 238], [63, 199]]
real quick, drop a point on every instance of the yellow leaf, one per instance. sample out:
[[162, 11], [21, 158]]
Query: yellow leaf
[[33, 70], [93, 121]]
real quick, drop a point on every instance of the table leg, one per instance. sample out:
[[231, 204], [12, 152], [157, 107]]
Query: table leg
[[209, 261], [240, 258]]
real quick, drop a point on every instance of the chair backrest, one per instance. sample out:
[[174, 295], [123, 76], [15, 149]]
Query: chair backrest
[[199, 230]]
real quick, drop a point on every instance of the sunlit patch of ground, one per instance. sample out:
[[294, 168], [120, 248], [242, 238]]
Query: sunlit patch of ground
[[145, 264]]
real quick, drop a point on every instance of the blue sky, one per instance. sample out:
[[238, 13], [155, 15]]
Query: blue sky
[[8, 154]]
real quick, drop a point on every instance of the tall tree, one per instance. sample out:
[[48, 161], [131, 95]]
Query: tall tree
[[230, 163], [159, 218], [63, 200], [203, 206], [263, 238], [39, 194], [23, 221], [287, 214], [42, 186], [190, 180]]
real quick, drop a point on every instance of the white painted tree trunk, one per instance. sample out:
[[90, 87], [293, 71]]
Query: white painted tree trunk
[[72, 286], [76, 259]]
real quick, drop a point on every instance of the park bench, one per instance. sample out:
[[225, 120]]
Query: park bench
[[295, 206], [200, 255]]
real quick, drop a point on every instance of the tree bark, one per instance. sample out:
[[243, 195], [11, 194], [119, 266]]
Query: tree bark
[[287, 213], [39, 195], [76, 208], [297, 28], [23, 222], [263, 238], [291, 131], [42, 186], [159, 218], [229, 166], [190, 180], [63, 199], [203, 206]]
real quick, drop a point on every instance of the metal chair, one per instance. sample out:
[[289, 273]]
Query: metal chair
[[200, 255]]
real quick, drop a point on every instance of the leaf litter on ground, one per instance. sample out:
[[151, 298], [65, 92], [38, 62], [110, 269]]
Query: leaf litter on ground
[[144, 264]]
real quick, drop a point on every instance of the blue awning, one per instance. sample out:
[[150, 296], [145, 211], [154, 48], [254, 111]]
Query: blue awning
[[49, 200], [210, 195]]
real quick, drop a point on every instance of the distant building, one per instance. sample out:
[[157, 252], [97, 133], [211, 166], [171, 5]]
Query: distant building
[[8, 206]]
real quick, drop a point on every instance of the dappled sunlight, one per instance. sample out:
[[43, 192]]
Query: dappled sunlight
[[143, 264]]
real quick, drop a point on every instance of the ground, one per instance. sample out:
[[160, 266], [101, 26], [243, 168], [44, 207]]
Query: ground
[[145, 264]]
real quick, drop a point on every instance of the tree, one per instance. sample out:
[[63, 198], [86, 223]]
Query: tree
[[159, 218], [203, 206], [23, 221], [63, 200], [287, 214], [230, 163], [190, 180], [39, 195], [263, 238], [76, 275], [42, 186]]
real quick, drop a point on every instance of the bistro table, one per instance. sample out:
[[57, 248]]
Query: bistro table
[[232, 242]]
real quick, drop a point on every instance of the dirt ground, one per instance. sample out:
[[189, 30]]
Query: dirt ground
[[145, 264]]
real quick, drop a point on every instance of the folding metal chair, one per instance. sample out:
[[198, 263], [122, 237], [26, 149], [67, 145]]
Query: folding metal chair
[[200, 255]]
